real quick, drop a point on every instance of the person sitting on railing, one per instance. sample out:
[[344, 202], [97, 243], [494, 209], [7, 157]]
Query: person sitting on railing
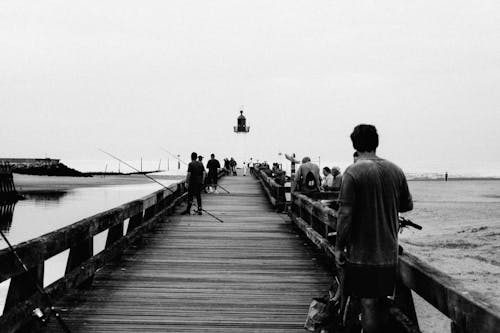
[[307, 177], [280, 177], [373, 191], [327, 181]]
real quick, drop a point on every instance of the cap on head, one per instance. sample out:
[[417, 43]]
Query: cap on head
[[306, 159]]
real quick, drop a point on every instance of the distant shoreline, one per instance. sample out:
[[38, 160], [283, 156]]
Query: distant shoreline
[[450, 179], [29, 184]]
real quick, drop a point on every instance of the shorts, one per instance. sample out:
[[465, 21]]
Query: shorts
[[368, 281], [212, 178]]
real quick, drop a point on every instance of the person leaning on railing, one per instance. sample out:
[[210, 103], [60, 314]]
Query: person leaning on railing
[[307, 179], [327, 181], [373, 192], [337, 178]]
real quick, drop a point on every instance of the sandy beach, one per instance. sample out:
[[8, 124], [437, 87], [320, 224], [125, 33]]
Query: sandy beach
[[42, 184], [460, 236]]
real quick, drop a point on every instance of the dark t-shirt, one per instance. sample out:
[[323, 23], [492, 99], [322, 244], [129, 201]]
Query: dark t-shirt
[[196, 169], [213, 166], [377, 190]]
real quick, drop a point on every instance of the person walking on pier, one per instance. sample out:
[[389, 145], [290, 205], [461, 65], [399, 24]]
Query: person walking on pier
[[213, 166], [251, 166], [307, 179], [372, 194], [194, 182], [232, 164]]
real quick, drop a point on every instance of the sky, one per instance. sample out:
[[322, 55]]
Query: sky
[[131, 77]]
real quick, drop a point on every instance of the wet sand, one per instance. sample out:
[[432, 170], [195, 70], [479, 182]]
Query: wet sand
[[460, 236], [26, 184]]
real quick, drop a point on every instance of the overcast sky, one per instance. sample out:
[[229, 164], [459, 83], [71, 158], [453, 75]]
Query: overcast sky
[[131, 76]]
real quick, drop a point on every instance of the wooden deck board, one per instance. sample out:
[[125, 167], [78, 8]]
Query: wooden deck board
[[251, 273]]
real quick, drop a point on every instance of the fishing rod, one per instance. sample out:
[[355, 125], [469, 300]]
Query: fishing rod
[[133, 168], [177, 158], [159, 183], [38, 312], [174, 156]]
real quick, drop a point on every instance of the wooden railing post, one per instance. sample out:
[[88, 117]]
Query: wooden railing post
[[114, 234], [24, 285], [79, 254], [403, 299], [135, 221]]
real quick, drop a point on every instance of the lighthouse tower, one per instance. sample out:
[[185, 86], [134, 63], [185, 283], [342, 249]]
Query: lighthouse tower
[[242, 130], [241, 127]]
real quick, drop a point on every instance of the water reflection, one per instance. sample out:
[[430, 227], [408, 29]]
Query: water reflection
[[6, 215], [53, 196], [7, 207]]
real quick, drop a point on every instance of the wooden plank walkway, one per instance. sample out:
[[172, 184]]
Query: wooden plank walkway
[[251, 273]]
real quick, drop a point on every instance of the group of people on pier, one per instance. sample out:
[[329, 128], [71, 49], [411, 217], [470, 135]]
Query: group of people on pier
[[372, 193], [307, 179], [198, 180]]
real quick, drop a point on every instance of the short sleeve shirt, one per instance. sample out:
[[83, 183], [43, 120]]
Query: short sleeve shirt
[[196, 169], [377, 190], [328, 181], [213, 166]]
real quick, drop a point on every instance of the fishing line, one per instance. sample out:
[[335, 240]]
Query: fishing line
[[154, 180]]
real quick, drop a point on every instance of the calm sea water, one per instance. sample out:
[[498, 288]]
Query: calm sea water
[[43, 213]]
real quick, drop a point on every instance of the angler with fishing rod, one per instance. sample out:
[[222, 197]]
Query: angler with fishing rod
[[194, 181], [374, 191], [154, 180], [213, 168]]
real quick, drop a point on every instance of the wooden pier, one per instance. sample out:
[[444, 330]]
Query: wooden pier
[[256, 272], [193, 274]]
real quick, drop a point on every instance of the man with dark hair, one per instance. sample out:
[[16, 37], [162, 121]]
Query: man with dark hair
[[213, 166], [372, 194], [327, 183], [194, 182]]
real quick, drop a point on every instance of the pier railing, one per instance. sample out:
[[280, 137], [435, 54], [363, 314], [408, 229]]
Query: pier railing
[[7, 188], [275, 192], [467, 310], [124, 225]]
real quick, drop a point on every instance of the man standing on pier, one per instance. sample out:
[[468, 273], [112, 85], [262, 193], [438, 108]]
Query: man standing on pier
[[213, 166], [372, 194], [194, 182]]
